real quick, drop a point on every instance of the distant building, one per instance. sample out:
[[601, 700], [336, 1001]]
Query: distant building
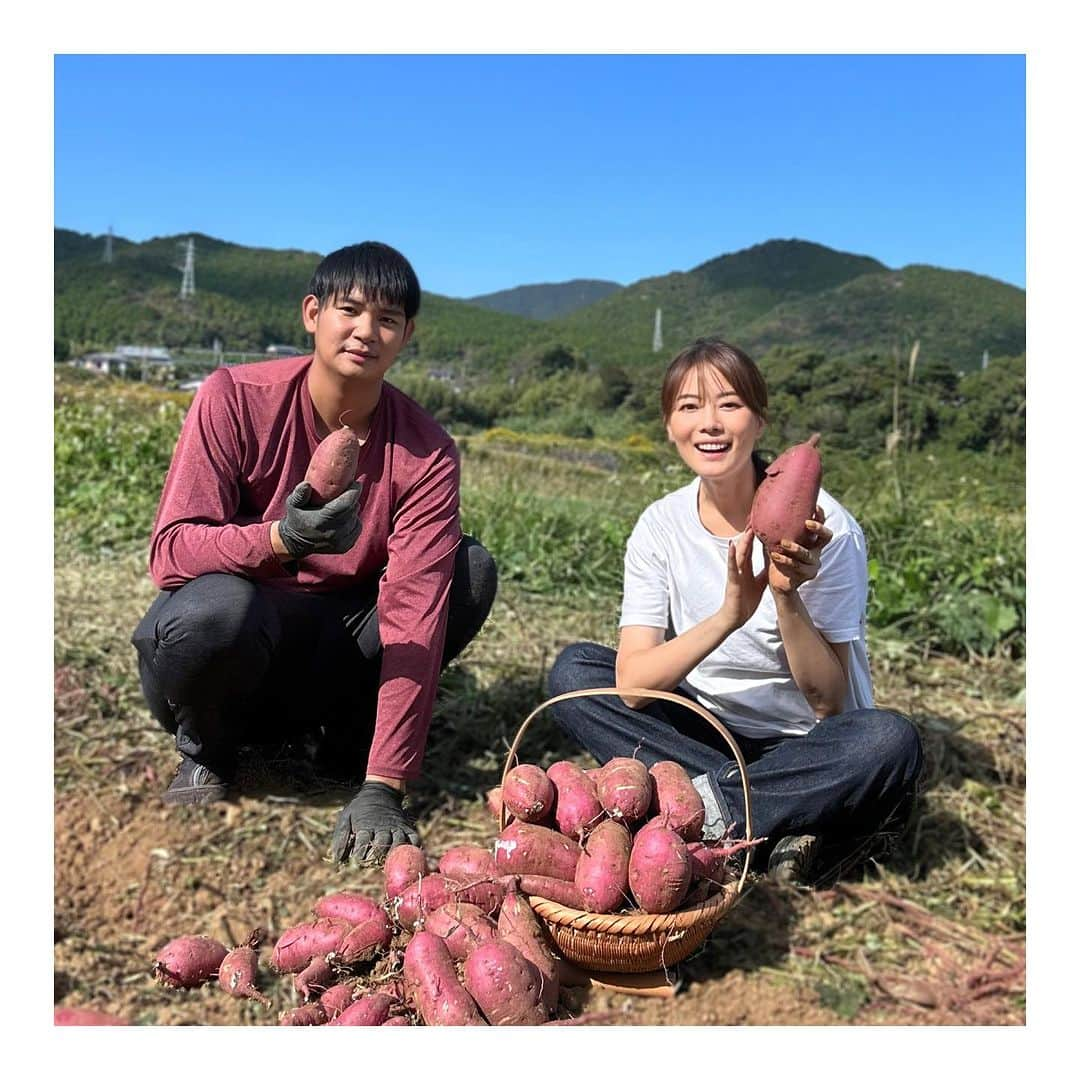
[[144, 352], [283, 350]]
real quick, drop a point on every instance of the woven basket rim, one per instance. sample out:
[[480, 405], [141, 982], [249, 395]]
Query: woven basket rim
[[641, 924]]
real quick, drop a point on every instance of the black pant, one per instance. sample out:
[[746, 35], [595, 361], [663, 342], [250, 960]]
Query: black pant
[[849, 776], [225, 661]]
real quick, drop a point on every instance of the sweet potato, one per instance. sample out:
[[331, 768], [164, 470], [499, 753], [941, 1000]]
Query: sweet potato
[[371, 1010], [659, 869], [303, 1016], [534, 849], [519, 926], [337, 998], [313, 981], [603, 869], [576, 806], [528, 794], [297, 945], [432, 983], [73, 1016], [493, 801], [504, 984], [467, 863], [240, 969], [787, 497], [549, 888], [676, 802], [462, 926], [365, 940], [188, 961], [709, 860], [624, 789], [353, 907], [404, 865], [397, 1021], [423, 896], [333, 465]]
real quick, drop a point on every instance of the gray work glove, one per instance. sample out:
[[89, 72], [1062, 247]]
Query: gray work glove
[[372, 824], [320, 530]]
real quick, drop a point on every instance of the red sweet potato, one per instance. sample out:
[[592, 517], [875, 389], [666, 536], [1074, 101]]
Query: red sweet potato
[[519, 926], [659, 869], [462, 926], [353, 907], [303, 1016], [297, 945], [624, 789], [528, 794], [240, 969], [397, 1021], [404, 865], [333, 465], [467, 863], [423, 896], [534, 849], [676, 802], [73, 1016], [365, 940], [787, 498], [337, 998], [710, 860], [432, 983], [371, 1010], [313, 981], [577, 808], [548, 888], [504, 984], [188, 961], [603, 869], [493, 802]]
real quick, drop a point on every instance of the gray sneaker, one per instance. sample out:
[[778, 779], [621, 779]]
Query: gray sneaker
[[792, 859], [194, 785]]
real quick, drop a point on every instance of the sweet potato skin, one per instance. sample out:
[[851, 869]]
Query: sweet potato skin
[[365, 940], [602, 875], [467, 863], [463, 927], [371, 1010], [534, 849], [550, 888], [676, 802], [351, 906], [504, 984], [310, 1015], [423, 896], [333, 465], [528, 794], [405, 864], [624, 789], [299, 944], [188, 961], [238, 972], [73, 1016], [519, 926], [659, 869], [576, 806], [432, 984], [787, 498], [336, 999]]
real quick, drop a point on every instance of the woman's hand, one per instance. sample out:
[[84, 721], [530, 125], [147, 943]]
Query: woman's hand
[[797, 564], [744, 588]]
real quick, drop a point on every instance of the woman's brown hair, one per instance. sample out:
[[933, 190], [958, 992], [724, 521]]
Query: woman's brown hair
[[737, 369]]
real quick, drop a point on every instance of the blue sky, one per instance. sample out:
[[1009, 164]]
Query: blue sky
[[495, 171]]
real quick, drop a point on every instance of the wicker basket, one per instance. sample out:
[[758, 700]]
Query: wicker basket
[[636, 942]]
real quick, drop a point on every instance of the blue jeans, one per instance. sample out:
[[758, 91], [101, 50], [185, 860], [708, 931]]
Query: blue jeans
[[846, 779]]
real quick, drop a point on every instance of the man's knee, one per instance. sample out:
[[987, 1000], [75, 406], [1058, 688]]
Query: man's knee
[[476, 577], [886, 736]]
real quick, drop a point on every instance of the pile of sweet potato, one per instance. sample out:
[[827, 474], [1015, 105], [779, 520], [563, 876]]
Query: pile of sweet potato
[[457, 941]]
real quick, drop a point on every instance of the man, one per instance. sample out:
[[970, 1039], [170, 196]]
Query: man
[[277, 615]]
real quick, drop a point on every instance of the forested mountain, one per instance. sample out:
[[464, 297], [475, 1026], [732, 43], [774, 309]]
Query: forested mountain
[[547, 301]]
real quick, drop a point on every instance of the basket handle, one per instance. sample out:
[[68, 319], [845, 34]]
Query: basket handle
[[662, 695]]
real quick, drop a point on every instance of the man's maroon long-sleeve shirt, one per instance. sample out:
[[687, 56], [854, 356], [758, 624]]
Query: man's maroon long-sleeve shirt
[[244, 445]]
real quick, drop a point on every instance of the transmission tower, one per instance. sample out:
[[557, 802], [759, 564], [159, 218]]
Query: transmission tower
[[108, 245], [187, 284], [657, 334]]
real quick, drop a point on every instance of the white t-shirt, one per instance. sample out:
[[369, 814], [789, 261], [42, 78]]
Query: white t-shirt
[[675, 576]]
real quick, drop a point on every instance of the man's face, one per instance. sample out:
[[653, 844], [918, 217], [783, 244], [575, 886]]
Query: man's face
[[355, 337]]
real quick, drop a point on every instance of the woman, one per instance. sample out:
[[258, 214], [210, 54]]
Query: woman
[[776, 650]]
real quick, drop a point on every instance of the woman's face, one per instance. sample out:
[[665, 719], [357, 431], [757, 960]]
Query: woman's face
[[711, 427]]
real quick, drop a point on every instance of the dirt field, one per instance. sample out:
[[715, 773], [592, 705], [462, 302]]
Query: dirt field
[[934, 935]]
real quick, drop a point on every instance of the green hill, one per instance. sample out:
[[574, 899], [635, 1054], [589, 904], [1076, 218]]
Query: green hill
[[547, 301], [782, 292]]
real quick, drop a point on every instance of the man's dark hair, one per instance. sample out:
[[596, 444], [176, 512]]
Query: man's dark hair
[[377, 270]]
